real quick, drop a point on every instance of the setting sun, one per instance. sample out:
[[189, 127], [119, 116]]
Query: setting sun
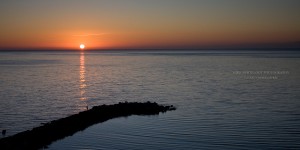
[[82, 46]]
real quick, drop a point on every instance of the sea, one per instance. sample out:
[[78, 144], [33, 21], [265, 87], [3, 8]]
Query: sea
[[225, 99]]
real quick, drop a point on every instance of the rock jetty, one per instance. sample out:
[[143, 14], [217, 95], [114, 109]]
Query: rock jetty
[[41, 137]]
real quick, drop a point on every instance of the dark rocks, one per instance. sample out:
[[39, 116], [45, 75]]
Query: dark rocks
[[44, 135]]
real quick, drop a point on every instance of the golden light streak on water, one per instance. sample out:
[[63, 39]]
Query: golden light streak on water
[[82, 77]]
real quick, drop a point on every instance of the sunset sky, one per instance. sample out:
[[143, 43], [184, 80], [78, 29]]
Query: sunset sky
[[105, 24]]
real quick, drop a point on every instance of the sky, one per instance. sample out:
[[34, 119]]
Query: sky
[[147, 24]]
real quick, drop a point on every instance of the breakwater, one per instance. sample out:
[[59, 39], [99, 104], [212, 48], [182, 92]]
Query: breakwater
[[44, 135]]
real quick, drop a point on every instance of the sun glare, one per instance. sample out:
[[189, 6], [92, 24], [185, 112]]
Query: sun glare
[[82, 46]]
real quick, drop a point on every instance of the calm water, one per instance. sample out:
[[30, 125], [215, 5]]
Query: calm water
[[225, 100]]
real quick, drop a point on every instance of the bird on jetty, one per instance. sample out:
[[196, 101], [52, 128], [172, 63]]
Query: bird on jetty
[[3, 132]]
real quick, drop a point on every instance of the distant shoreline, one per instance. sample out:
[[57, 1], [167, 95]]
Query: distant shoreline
[[233, 48], [151, 50], [44, 135]]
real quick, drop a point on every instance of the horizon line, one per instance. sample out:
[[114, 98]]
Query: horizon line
[[154, 49]]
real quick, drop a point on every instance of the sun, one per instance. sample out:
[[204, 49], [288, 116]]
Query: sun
[[82, 46]]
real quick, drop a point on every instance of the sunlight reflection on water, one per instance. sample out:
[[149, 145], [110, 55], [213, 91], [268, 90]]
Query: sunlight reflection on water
[[82, 77]]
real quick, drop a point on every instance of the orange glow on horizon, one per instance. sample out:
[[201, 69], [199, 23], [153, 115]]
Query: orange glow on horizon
[[146, 40]]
